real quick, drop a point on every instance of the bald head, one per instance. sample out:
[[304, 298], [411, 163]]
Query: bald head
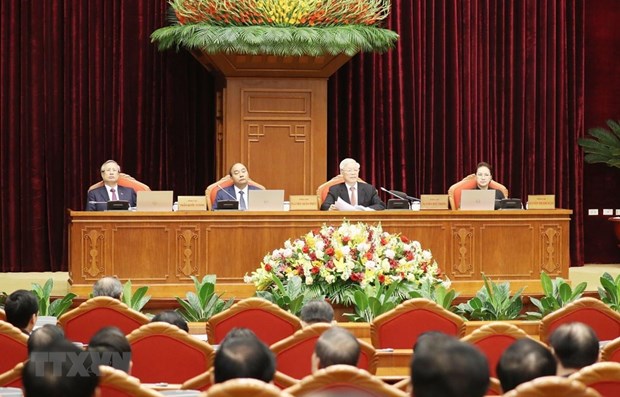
[[337, 346], [108, 286]]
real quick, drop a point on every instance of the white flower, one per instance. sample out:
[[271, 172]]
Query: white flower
[[346, 250], [446, 283], [362, 247], [247, 279], [320, 245], [389, 253], [287, 253], [370, 265], [330, 278], [309, 280]]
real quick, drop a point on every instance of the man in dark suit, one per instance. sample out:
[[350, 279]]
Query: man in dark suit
[[111, 190], [239, 189], [351, 190]]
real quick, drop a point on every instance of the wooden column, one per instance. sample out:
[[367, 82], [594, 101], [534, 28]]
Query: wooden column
[[272, 116]]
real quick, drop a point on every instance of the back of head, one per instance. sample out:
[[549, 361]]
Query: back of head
[[108, 286], [523, 361], [337, 346], [112, 348], [449, 369], [575, 345], [317, 311], [243, 355], [171, 317], [19, 307], [42, 338], [63, 371]]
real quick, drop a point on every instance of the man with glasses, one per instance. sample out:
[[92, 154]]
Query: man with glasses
[[111, 190], [352, 191]]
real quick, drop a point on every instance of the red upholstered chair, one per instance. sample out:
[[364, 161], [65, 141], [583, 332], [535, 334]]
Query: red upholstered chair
[[212, 189], [342, 378], [492, 339], [125, 180], [603, 320], [12, 377], [162, 352], [547, 386], [293, 353], [245, 387], [2, 315], [323, 189], [469, 182], [268, 321], [204, 381], [13, 346], [81, 323], [611, 351], [115, 383], [495, 387], [416, 316], [604, 377]]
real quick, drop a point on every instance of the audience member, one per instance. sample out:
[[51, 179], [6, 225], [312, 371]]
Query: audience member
[[352, 191], [523, 361], [335, 346], [111, 190], [42, 338], [242, 355], [64, 370], [108, 286], [447, 367], [112, 340], [316, 311], [238, 190], [171, 317], [575, 346], [21, 309]]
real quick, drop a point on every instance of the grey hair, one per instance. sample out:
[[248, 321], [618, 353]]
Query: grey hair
[[108, 286], [346, 161]]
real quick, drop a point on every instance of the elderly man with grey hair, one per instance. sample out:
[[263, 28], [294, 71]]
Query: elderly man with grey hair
[[352, 191], [108, 286]]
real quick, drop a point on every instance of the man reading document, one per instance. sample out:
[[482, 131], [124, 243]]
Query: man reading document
[[352, 195]]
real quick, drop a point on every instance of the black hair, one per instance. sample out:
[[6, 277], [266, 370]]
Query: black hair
[[171, 317], [19, 308], [243, 356], [337, 346], [523, 361], [575, 345], [317, 311], [111, 340]]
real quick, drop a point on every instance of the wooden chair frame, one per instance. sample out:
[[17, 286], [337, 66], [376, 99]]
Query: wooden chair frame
[[610, 350], [211, 190], [2, 315], [601, 372], [12, 377], [323, 189], [15, 337], [408, 308], [122, 382], [469, 182], [343, 376], [550, 322], [552, 386], [203, 381], [125, 180], [244, 306], [245, 387]]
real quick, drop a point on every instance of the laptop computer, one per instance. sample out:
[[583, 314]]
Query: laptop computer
[[157, 200], [266, 200], [478, 200]]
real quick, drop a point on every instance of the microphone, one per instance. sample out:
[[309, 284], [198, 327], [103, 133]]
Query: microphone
[[225, 191], [97, 202], [400, 195]]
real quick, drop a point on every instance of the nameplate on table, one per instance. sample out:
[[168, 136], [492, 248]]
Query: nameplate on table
[[192, 203], [304, 203], [434, 202], [541, 202]]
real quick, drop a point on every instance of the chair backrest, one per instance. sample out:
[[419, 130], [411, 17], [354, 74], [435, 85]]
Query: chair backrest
[[2, 315], [162, 352], [342, 378], [469, 182], [604, 377], [212, 189], [293, 354], [12, 377], [116, 383], [603, 320], [245, 387], [268, 321], [124, 180], [611, 351], [13, 346], [495, 387], [81, 323], [323, 189], [416, 316], [492, 339], [204, 381], [552, 386]]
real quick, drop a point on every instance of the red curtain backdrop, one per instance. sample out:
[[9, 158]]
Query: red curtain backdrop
[[500, 81]]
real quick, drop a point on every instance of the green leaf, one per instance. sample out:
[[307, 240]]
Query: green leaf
[[565, 292], [547, 284], [578, 291]]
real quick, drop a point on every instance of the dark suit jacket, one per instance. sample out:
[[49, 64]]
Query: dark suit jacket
[[97, 197], [366, 195], [231, 194]]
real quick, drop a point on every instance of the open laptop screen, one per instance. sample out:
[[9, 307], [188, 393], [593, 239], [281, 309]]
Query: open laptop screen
[[478, 200], [265, 200], [158, 200]]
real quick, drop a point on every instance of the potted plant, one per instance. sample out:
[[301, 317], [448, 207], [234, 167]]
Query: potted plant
[[50, 311], [291, 297], [199, 306], [603, 146], [558, 293]]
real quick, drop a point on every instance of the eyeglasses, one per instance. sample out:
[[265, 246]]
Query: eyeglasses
[[351, 170]]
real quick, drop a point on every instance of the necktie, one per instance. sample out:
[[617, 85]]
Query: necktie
[[113, 191], [353, 200], [241, 201]]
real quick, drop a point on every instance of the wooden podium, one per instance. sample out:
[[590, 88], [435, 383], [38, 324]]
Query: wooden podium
[[272, 116]]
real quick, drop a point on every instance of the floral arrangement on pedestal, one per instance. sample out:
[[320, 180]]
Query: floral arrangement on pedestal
[[278, 27], [335, 261]]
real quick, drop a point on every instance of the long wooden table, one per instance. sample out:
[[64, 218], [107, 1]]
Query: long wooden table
[[163, 249]]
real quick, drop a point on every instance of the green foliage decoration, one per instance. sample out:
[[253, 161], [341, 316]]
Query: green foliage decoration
[[135, 300], [55, 308], [558, 293], [204, 303], [603, 146], [373, 300], [436, 292], [292, 296], [492, 303], [610, 291]]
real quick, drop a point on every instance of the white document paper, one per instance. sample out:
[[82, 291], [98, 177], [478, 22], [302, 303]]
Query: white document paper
[[342, 205]]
